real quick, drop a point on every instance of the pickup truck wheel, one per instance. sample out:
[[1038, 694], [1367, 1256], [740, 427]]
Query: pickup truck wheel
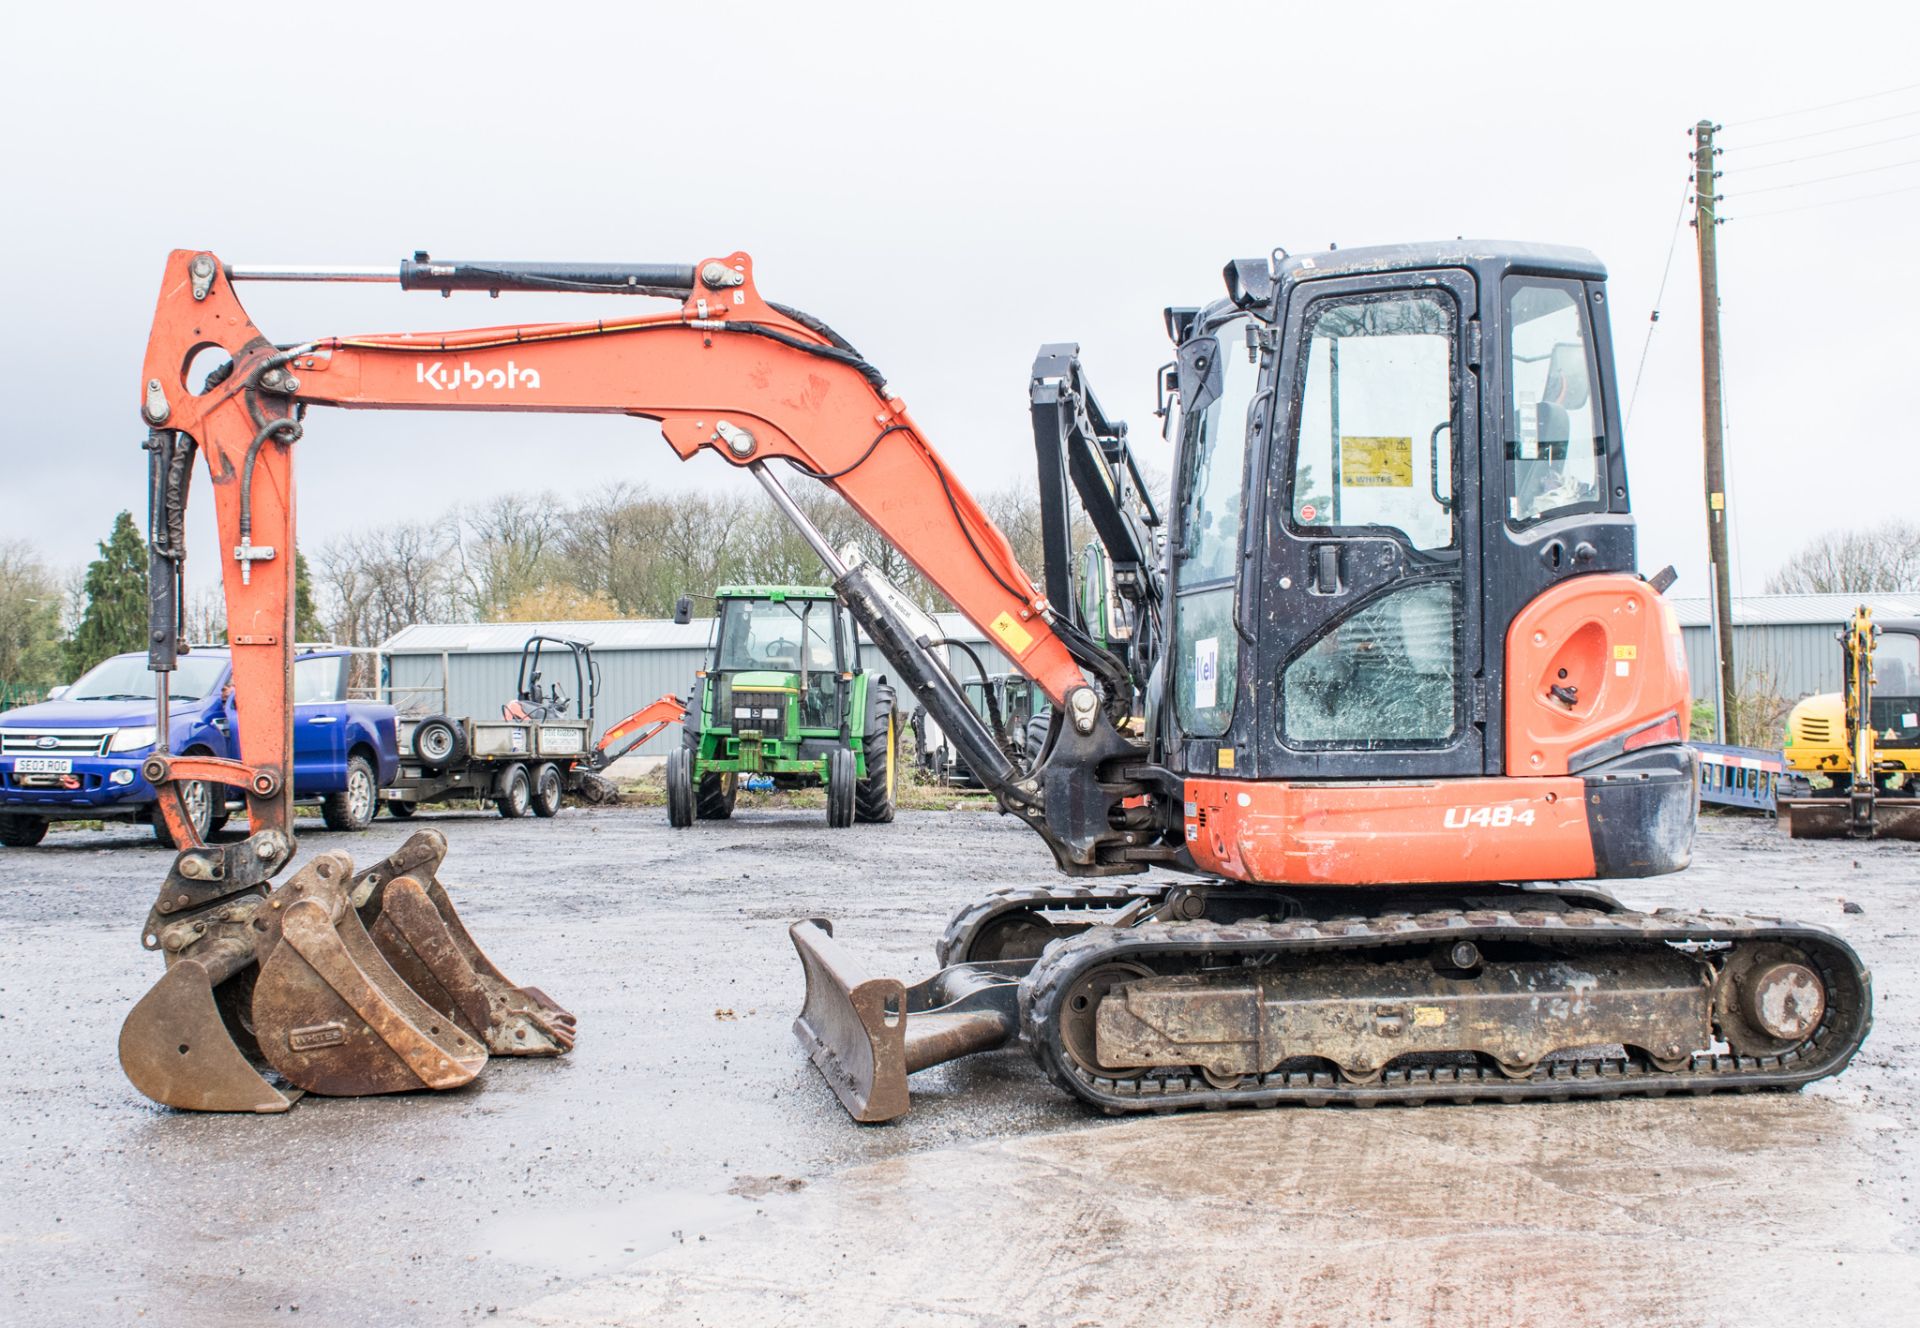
[[401, 811], [548, 789], [199, 799], [352, 808], [515, 797], [439, 743], [22, 831]]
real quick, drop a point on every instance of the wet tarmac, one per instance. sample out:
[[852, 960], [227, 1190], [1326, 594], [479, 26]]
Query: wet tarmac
[[686, 1166]]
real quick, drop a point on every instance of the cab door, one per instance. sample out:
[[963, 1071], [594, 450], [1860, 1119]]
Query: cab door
[[1369, 618], [319, 723]]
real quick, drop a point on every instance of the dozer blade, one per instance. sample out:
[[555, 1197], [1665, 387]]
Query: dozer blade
[[180, 1049], [329, 1012], [1834, 818], [416, 927], [866, 1034]]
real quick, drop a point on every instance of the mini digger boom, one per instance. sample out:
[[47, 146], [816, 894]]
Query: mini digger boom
[[1389, 682]]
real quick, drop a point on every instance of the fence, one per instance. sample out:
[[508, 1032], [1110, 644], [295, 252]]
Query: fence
[[18, 694]]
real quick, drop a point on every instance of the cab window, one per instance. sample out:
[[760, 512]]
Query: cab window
[[319, 680], [1206, 560], [1375, 444], [1554, 434]]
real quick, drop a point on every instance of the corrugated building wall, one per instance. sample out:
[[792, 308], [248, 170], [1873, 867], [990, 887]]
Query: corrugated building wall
[[639, 661], [1787, 641]]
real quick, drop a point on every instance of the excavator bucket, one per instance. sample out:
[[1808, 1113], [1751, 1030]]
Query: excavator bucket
[[867, 1034], [293, 980], [410, 918], [334, 983], [1840, 818]]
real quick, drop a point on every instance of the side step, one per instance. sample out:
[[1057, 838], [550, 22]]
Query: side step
[[867, 1034]]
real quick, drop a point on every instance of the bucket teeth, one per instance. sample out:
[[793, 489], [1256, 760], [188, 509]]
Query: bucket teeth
[[417, 928]]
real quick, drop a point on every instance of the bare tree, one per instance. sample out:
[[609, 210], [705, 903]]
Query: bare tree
[[506, 548], [377, 581], [1879, 558]]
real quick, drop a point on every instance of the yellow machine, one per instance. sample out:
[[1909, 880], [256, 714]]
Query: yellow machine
[[1863, 741]]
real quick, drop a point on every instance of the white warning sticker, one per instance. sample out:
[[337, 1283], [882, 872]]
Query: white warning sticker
[[1206, 673]]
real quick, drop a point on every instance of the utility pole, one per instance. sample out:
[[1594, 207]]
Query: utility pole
[[1706, 221]]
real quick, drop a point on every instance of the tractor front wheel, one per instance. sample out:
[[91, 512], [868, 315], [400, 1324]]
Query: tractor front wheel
[[717, 792], [679, 788], [842, 777]]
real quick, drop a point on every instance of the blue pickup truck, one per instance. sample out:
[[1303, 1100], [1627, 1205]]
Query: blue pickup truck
[[78, 756]]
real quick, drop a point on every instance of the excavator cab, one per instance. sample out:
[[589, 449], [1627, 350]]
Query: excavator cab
[[1391, 458]]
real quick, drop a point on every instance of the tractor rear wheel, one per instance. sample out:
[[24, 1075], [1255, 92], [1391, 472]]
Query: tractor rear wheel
[[679, 789], [717, 792], [842, 777], [873, 799]]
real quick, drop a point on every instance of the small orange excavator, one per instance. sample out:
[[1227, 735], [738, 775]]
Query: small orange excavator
[[1380, 683]]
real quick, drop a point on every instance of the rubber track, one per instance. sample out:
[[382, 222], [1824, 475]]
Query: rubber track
[[1844, 1028], [1093, 900]]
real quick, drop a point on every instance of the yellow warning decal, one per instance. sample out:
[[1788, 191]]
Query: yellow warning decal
[[1226, 758], [1012, 635], [1428, 1016], [1626, 652], [1368, 462]]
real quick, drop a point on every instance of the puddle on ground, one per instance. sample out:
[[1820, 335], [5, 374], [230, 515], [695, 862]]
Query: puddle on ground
[[576, 1242]]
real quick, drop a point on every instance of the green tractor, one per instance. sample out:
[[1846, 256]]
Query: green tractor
[[783, 695]]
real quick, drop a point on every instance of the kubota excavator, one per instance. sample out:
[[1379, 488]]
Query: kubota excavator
[[1391, 682]]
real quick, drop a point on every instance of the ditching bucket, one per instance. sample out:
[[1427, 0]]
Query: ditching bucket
[[316, 979], [1837, 818], [408, 914], [866, 1034]]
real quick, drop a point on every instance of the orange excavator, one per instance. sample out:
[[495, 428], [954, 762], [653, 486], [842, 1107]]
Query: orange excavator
[[1355, 711]]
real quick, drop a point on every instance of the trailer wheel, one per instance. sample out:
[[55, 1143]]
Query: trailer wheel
[[679, 789], [548, 789], [717, 794], [515, 798], [401, 811], [22, 831], [439, 743], [842, 780]]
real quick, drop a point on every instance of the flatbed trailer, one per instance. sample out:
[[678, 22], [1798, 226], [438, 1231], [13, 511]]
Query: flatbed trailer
[[520, 766]]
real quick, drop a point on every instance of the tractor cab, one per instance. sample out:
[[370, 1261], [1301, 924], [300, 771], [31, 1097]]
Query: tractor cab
[[784, 694]]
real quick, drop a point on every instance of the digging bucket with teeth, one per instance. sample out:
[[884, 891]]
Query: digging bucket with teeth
[[312, 981], [867, 1034]]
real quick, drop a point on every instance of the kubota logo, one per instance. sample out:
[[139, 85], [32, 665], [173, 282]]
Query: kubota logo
[[443, 379]]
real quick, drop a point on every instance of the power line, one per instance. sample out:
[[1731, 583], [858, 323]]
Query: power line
[[1832, 202], [1822, 179], [1686, 194], [1819, 133], [1829, 105], [1833, 152]]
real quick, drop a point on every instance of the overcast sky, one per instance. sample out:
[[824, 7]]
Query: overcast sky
[[950, 188]]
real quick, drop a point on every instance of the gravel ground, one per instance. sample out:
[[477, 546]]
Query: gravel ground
[[686, 1165]]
